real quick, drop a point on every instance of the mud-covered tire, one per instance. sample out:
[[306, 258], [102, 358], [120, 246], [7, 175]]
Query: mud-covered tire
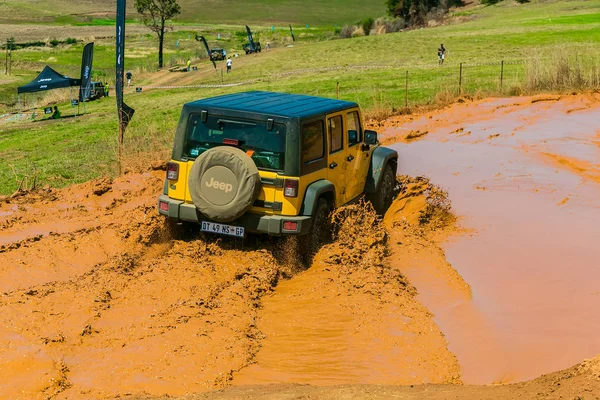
[[320, 232], [383, 196], [224, 183]]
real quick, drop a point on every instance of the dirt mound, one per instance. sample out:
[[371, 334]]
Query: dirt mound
[[114, 305]]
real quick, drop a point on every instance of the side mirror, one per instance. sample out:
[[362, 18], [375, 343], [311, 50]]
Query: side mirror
[[371, 137]]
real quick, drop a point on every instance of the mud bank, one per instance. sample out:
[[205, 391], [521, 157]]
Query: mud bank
[[579, 382]]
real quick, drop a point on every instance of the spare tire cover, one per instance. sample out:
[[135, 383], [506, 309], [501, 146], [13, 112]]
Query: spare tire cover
[[224, 183]]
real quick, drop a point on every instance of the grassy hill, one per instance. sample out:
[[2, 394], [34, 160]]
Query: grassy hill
[[554, 42], [311, 12]]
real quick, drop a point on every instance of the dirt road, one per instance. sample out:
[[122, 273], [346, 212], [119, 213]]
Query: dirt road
[[100, 299]]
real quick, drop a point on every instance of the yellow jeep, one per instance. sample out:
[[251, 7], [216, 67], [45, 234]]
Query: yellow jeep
[[273, 163]]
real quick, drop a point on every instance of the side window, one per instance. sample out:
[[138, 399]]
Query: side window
[[313, 141], [336, 133], [354, 130]]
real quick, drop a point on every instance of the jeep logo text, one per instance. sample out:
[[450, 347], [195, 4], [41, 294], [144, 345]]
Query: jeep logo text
[[227, 187]]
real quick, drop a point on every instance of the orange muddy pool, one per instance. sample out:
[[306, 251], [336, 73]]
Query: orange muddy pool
[[524, 179]]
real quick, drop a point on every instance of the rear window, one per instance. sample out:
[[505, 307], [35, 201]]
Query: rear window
[[267, 148]]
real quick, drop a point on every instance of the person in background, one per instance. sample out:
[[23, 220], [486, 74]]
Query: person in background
[[189, 65], [128, 75], [56, 113], [441, 54], [229, 62], [106, 89]]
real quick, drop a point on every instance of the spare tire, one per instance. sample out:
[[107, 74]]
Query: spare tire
[[224, 183]]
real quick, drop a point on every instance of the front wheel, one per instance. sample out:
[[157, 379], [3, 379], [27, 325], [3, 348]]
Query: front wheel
[[382, 198]]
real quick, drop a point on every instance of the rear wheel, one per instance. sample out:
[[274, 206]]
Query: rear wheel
[[320, 232], [382, 198]]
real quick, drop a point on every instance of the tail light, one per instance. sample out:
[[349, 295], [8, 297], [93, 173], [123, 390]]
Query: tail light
[[290, 226], [172, 171], [290, 188], [164, 206]]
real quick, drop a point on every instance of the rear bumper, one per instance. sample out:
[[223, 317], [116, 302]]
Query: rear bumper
[[256, 223]]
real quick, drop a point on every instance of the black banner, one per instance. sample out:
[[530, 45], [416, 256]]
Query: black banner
[[120, 55], [292, 33], [125, 112], [201, 39], [250, 40], [86, 72]]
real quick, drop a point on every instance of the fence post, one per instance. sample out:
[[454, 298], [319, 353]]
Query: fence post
[[6, 67], [221, 75], [501, 74], [406, 92], [337, 90], [460, 80]]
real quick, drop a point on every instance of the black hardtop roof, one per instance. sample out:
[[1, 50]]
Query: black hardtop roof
[[271, 103]]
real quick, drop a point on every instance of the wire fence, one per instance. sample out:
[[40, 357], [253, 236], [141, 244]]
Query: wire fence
[[396, 86], [422, 83]]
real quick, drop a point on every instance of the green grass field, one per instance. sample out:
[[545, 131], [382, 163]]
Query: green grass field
[[298, 12], [546, 34]]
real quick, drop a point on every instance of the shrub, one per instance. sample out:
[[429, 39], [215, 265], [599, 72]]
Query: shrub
[[346, 31], [367, 25], [71, 41]]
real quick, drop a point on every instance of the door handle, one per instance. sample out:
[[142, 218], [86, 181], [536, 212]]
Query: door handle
[[350, 158], [332, 165]]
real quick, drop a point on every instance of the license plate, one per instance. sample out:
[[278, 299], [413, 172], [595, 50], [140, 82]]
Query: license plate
[[222, 229]]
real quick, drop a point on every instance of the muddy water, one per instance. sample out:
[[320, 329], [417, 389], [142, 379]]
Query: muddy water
[[524, 176], [349, 319]]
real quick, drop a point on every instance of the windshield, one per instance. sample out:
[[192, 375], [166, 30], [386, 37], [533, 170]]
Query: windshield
[[267, 148]]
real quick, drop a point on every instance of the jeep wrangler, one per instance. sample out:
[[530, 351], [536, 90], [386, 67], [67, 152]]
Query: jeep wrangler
[[248, 49], [273, 163], [218, 54]]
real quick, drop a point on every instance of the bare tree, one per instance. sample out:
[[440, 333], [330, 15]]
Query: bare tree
[[155, 14]]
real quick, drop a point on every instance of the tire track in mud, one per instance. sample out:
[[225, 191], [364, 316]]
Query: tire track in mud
[[99, 300]]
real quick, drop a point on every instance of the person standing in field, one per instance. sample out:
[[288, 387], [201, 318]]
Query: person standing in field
[[229, 62], [128, 75], [106, 87], [441, 54], [189, 65]]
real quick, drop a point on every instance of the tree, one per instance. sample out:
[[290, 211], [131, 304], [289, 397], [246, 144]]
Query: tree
[[414, 12], [155, 14]]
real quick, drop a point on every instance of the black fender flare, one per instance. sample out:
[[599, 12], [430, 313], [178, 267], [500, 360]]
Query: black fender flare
[[379, 159], [313, 192]]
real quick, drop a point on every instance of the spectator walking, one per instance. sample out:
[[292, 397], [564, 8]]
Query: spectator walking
[[189, 65], [128, 75], [229, 62]]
